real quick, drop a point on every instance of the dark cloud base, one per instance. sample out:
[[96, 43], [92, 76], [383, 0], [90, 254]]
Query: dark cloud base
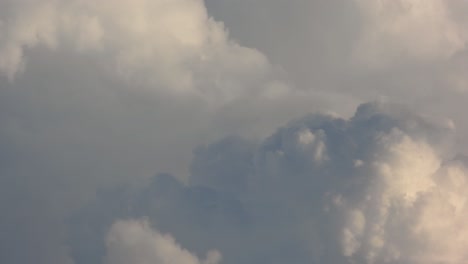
[[290, 198]]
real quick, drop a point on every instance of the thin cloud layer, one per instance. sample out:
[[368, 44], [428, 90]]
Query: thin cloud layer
[[376, 188]]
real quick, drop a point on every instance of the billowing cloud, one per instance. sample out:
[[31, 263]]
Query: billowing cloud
[[83, 79], [377, 188], [136, 242], [98, 96], [174, 46], [412, 52], [398, 30]]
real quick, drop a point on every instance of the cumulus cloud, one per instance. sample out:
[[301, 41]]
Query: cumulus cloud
[[350, 52], [83, 79], [99, 94], [174, 46], [396, 30], [382, 190], [92, 95], [136, 242], [398, 217]]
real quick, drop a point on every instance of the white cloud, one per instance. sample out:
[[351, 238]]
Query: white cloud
[[174, 46], [397, 30], [134, 241], [314, 143], [351, 235], [404, 213]]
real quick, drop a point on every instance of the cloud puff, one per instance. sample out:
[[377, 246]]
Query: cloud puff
[[396, 30], [407, 213], [376, 188], [174, 46], [136, 242]]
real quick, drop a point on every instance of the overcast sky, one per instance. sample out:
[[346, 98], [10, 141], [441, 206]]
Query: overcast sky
[[228, 132]]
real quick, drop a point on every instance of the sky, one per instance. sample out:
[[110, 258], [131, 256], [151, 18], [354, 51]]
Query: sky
[[227, 132]]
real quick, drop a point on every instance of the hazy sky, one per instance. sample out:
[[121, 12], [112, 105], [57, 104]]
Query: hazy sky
[[228, 132]]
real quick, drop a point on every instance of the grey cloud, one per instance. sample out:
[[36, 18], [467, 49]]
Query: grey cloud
[[231, 157], [347, 48], [312, 40], [92, 95], [371, 196], [95, 95]]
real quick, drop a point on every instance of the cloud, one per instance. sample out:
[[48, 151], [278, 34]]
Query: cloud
[[100, 95], [398, 30], [136, 242], [349, 52], [395, 220], [93, 92], [383, 190], [172, 46]]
